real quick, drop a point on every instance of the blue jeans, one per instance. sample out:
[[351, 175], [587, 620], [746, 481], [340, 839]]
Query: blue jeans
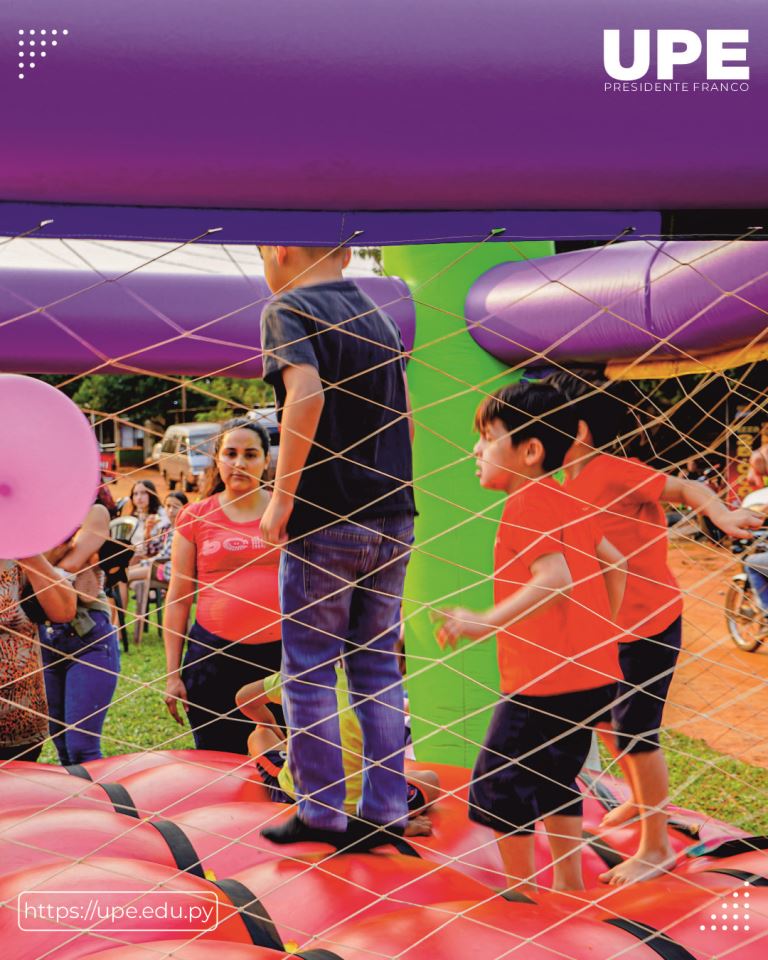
[[80, 680], [340, 592]]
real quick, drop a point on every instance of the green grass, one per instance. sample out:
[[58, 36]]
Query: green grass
[[700, 778], [716, 784], [712, 783]]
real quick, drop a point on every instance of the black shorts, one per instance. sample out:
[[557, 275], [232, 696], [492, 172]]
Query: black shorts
[[647, 666], [416, 799], [269, 765], [533, 751]]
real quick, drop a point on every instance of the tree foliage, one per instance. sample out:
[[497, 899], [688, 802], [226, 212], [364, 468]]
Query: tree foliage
[[138, 398], [236, 397]]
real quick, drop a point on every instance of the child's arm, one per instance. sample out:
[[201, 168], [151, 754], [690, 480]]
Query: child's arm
[[304, 403], [698, 496], [551, 580], [614, 572], [252, 699]]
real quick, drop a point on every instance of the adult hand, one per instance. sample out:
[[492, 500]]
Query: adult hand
[[758, 466], [274, 523], [175, 693]]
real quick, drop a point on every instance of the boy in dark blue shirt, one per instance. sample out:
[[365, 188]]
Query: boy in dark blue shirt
[[343, 511]]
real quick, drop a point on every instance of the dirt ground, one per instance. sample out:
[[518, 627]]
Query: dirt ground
[[719, 693]]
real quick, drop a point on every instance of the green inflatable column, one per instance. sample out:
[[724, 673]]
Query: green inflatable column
[[452, 563]]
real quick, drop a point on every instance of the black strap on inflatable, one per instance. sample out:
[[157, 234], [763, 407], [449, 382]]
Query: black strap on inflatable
[[514, 896], [78, 770], [687, 829], [660, 943], [600, 791], [181, 848], [729, 848], [608, 854], [260, 926], [388, 838], [318, 954], [753, 879], [121, 799], [402, 846]]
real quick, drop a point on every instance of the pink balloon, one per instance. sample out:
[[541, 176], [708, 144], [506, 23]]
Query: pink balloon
[[49, 466]]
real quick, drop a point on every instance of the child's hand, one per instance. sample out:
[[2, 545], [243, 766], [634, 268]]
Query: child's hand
[[739, 524], [460, 622], [274, 523]]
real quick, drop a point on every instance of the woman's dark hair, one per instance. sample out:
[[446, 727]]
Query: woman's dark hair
[[178, 495], [530, 410], [213, 483], [154, 499], [105, 498]]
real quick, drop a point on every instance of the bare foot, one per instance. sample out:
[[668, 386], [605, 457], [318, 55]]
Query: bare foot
[[643, 866], [621, 814], [418, 826]]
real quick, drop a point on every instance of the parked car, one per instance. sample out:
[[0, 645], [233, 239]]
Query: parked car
[[157, 452], [186, 453], [267, 417]]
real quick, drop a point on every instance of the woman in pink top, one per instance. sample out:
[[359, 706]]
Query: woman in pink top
[[218, 552]]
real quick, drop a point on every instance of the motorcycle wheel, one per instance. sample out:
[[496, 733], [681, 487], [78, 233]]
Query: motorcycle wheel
[[746, 621]]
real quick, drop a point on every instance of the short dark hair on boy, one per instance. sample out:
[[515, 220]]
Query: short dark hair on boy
[[531, 410], [320, 253], [596, 401]]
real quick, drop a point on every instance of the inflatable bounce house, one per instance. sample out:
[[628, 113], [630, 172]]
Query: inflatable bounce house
[[525, 218]]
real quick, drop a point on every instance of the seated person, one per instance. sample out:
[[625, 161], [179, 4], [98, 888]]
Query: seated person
[[151, 521], [269, 749], [155, 563]]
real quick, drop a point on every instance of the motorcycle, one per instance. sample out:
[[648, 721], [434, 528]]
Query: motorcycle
[[746, 620]]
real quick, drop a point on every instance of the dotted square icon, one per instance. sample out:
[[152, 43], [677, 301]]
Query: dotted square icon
[[34, 45]]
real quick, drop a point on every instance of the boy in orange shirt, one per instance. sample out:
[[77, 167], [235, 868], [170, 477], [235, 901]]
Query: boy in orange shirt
[[625, 496], [557, 584]]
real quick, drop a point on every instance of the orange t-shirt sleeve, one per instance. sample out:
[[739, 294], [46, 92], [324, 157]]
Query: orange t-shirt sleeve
[[642, 483]]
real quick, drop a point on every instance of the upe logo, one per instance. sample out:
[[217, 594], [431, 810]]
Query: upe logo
[[724, 55]]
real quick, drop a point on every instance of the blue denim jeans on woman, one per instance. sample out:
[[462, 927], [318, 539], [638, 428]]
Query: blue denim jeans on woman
[[80, 680], [341, 590]]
